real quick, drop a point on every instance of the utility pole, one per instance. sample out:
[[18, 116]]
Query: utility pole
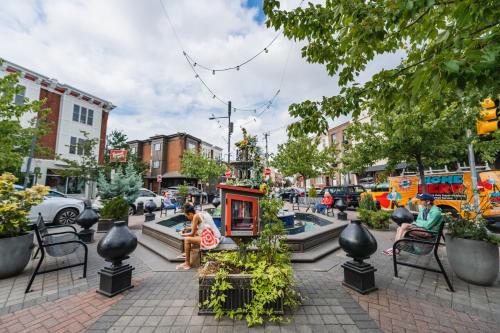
[[473, 174], [229, 131], [30, 156], [267, 152]]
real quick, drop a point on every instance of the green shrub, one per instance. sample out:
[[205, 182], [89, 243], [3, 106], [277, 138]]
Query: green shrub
[[367, 202], [312, 193], [115, 208], [376, 219]]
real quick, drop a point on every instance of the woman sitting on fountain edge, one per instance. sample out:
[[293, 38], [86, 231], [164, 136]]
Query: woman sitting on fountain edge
[[203, 232]]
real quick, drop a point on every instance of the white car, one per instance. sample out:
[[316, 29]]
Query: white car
[[144, 195], [56, 209]]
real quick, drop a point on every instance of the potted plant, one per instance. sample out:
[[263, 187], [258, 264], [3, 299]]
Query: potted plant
[[472, 251], [15, 239], [117, 195], [115, 209], [254, 285], [371, 216]]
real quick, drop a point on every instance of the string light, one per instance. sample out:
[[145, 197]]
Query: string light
[[192, 63]]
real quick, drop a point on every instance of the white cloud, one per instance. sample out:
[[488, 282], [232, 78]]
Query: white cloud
[[125, 51]]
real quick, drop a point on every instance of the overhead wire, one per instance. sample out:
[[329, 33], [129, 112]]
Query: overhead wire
[[192, 64]]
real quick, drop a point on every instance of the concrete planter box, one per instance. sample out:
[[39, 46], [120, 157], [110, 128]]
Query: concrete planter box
[[473, 261], [237, 297], [105, 224], [15, 253]]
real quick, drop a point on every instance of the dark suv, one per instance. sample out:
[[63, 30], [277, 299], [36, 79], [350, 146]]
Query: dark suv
[[349, 193]]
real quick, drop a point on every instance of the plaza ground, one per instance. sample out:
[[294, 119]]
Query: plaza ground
[[165, 300]]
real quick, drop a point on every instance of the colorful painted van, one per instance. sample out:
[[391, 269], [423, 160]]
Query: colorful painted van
[[451, 191]]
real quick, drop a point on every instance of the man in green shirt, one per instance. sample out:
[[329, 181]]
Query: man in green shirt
[[429, 219]]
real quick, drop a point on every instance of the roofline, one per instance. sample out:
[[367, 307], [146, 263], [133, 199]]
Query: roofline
[[53, 83]]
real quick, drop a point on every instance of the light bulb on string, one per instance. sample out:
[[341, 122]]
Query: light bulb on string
[[213, 72], [196, 76], [214, 97], [237, 68], [194, 65], [266, 50]]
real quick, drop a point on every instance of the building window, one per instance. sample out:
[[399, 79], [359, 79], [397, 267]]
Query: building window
[[191, 145], [76, 113], [19, 99], [72, 145], [81, 142], [83, 115], [334, 139], [157, 146], [133, 150], [319, 180], [156, 164], [90, 117]]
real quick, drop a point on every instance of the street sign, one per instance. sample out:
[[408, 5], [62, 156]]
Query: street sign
[[158, 179], [118, 155], [267, 172]]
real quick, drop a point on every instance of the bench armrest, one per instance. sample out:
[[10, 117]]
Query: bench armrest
[[60, 226], [61, 233]]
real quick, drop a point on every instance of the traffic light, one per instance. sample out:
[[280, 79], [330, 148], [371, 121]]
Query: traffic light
[[488, 117]]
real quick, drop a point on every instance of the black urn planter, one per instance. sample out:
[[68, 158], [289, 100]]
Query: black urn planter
[[341, 206], [150, 207], [86, 220], [402, 215], [115, 247], [359, 244]]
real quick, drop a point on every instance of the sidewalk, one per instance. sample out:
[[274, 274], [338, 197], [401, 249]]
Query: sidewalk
[[164, 300]]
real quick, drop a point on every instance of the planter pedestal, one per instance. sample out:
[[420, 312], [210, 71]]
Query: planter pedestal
[[114, 280], [342, 216], [19, 252], [86, 235], [359, 276]]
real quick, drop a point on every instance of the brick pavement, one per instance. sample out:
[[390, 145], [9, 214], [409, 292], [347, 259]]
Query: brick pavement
[[68, 314], [54, 285], [419, 300], [167, 301]]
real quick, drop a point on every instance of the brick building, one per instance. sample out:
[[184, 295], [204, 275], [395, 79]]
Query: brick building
[[163, 154], [71, 111]]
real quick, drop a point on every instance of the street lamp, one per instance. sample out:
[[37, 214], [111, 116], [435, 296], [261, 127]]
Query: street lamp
[[230, 129]]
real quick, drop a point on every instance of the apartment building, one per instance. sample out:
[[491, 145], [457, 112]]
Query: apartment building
[[71, 111], [164, 154]]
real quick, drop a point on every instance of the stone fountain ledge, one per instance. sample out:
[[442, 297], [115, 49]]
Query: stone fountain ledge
[[306, 247]]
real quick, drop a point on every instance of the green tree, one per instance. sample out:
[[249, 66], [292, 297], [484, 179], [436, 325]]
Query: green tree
[[118, 140], [126, 184], [206, 170], [15, 139], [302, 156], [450, 60], [86, 165], [421, 138]]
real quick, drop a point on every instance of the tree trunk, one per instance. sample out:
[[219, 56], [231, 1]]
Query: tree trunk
[[421, 173]]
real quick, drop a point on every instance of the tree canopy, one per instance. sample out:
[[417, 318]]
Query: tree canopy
[[195, 165], [15, 138], [449, 62], [302, 156]]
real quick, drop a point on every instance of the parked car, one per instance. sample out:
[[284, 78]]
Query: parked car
[[193, 190], [349, 193], [144, 195], [287, 192], [56, 194], [56, 209]]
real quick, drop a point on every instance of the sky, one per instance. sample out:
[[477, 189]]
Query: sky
[[125, 51]]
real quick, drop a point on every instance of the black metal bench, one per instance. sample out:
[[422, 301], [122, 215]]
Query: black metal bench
[[421, 242], [56, 244]]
